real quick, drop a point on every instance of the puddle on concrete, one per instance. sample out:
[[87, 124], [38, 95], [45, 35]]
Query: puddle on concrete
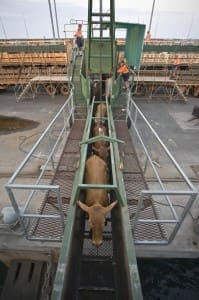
[[14, 124]]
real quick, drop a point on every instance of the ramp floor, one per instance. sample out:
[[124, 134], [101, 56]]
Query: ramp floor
[[63, 177]]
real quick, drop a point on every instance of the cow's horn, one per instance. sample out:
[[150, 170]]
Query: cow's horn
[[83, 206], [108, 208]]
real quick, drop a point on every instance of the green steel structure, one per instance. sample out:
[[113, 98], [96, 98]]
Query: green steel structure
[[84, 271], [101, 38], [134, 42], [98, 64]]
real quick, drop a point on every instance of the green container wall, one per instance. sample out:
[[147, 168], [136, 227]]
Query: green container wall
[[134, 42], [101, 57]]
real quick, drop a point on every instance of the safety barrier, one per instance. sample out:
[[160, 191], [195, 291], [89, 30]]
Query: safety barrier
[[45, 150], [175, 196]]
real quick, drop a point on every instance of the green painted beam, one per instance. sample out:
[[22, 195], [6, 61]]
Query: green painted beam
[[103, 138], [129, 249]]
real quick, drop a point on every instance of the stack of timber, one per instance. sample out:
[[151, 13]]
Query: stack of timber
[[21, 61], [157, 59]]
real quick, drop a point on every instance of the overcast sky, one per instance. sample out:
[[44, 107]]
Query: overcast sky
[[31, 18]]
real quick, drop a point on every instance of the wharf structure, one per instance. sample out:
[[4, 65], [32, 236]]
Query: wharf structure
[[38, 66], [50, 246]]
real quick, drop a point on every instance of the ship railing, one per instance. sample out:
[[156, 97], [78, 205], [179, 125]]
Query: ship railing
[[71, 27], [32, 181], [169, 188]]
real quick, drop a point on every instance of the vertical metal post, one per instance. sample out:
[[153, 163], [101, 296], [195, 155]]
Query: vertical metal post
[[151, 16], [26, 28], [56, 19], [59, 200], [50, 146], [184, 213], [137, 213], [51, 17], [16, 208], [2, 25]]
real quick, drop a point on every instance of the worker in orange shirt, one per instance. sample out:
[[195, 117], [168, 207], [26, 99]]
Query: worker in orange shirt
[[175, 65], [79, 38], [148, 36], [123, 70]]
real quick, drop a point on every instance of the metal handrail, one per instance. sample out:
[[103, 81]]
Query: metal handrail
[[192, 192], [67, 113], [131, 102]]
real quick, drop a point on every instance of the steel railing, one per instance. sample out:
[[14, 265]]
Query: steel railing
[[170, 198], [45, 149]]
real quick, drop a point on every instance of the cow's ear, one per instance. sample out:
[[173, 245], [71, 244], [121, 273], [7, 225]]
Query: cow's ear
[[108, 208], [83, 206]]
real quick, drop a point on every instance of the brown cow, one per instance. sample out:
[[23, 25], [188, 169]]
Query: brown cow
[[96, 202], [99, 128], [101, 147], [101, 111]]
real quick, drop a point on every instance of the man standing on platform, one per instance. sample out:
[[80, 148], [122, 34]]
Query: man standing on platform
[[79, 39]]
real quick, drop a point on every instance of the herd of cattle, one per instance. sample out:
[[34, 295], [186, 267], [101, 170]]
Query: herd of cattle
[[96, 203]]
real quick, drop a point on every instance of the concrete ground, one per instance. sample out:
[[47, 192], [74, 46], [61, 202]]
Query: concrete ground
[[14, 147], [170, 120], [172, 123]]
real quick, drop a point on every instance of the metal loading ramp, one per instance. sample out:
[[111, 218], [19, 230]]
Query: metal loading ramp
[[85, 271], [63, 177], [99, 266], [134, 183]]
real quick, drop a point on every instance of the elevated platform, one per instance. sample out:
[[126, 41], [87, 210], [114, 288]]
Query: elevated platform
[[50, 84], [158, 86]]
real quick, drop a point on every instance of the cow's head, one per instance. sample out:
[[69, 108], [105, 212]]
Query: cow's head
[[102, 152], [96, 215]]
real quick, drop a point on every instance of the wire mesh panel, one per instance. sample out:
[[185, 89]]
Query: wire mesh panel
[[135, 183], [64, 176]]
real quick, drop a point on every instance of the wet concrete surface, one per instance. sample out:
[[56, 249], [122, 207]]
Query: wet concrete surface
[[13, 149], [181, 137], [13, 124], [171, 122], [40, 110]]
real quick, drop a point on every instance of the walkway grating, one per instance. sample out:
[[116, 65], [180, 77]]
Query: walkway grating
[[63, 177], [134, 182]]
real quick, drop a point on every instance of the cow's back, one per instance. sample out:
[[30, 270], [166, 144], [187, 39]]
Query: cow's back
[[101, 111], [99, 128], [96, 173]]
